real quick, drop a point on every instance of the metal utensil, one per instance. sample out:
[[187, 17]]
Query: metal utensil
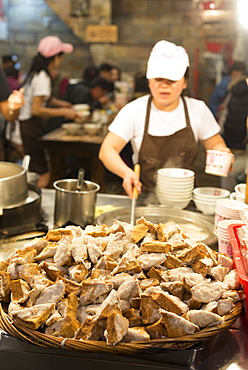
[[80, 183], [25, 162], [135, 195]]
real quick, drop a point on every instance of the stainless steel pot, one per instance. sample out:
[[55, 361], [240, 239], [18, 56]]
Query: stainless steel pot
[[72, 205], [13, 183]]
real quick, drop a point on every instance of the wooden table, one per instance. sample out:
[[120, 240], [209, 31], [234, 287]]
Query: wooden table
[[61, 145]]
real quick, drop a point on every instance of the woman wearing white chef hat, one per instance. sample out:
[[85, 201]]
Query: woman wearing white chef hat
[[163, 127]]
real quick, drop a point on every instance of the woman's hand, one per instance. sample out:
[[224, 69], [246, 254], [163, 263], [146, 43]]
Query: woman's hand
[[69, 113], [16, 100], [129, 181]]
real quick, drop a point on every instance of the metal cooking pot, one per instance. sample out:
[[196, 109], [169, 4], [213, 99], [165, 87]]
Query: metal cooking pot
[[72, 205], [13, 183]]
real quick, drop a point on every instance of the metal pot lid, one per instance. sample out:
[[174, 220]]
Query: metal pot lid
[[193, 224]]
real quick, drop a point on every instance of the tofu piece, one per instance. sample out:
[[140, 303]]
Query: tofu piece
[[65, 327], [68, 306], [78, 272], [170, 303], [52, 294], [206, 293], [175, 288], [52, 271], [33, 317], [149, 260], [133, 317], [19, 291], [149, 310], [129, 289], [177, 326], [203, 318], [63, 251], [26, 255], [92, 289], [71, 286], [116, 328], [225, 306], [5, 281], [156, 247], [164, 233], [57, 234], [47, 252], [136, 334], [138, 232], [157, 330], [79, 250], [202, 266]]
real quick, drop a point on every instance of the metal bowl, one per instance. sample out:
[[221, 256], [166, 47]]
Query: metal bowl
[[193, 224]]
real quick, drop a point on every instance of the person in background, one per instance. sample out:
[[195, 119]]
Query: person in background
[[234, 133], [89, 74], [10, 104], [219, 93], [105, 71], [37, 91], [163, 127], [81, 93]]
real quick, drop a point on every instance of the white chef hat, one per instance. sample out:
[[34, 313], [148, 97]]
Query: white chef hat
[[167, 60]]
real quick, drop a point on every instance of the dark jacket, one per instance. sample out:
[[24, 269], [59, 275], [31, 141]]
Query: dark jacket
[[235, 130]]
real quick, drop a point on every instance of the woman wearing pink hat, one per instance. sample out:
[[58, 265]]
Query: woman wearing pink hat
[[37, 92], [163, 127]]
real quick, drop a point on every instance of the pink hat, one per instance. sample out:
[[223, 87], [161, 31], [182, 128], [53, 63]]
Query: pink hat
[[167, 60], [52, 45]]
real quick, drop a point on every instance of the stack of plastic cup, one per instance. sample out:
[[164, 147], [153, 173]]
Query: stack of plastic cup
[[174, 187], [224, 244], [227, 209]]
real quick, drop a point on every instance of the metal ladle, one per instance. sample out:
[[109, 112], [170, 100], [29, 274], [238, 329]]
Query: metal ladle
[[80, 183]]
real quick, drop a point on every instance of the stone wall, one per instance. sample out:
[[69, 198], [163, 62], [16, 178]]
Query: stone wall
[[140, 24], [29, 21]]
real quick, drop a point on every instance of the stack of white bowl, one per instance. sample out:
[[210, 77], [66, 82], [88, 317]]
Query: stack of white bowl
[[205, 198], [175, 186], [227, 209], [224, 244]]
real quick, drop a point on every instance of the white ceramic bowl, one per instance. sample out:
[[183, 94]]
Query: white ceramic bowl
[[240, 189], [82, 116], [92, 128], [175, 203], [207, 208], [71, 128], [211, 193], [81, 107], [237, 196], [173, 192], [178, 173]]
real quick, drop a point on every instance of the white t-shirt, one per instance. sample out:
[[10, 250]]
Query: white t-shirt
[[40, 85], [129, 123]]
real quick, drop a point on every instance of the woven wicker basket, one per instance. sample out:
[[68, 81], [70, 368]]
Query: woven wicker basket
[[152, 346]]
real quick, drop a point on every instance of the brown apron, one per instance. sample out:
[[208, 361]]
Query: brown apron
[[178, 150]]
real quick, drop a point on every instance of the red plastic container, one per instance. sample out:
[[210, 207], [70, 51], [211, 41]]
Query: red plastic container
[[241, 263]]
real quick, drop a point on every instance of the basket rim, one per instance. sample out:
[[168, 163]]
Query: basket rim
[[154, 345]]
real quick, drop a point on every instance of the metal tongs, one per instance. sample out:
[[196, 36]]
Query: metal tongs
[[135, 195]]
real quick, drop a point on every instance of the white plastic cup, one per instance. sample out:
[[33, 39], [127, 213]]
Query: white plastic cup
[[218, 163], [224, 246]]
